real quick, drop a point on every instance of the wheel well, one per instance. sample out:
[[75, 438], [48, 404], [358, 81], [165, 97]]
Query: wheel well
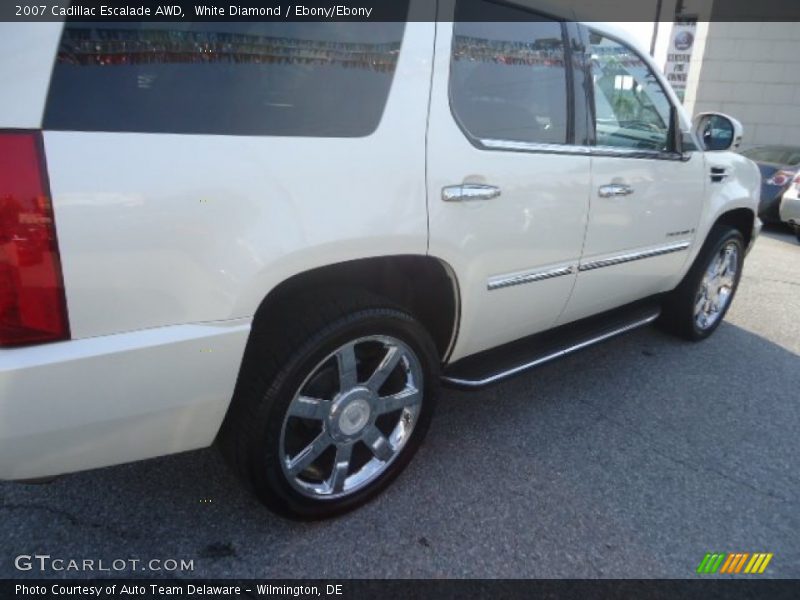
[[422, 285], [741, 219]]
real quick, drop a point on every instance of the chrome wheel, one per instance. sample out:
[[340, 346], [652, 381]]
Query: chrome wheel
[[351, 417], [716, 287]]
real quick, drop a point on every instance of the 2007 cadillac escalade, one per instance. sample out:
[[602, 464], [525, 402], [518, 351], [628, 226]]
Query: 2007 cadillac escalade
[[283, 236]]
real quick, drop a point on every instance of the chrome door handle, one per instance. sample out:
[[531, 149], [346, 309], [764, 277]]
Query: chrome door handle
[[469, 191], [615, 189]]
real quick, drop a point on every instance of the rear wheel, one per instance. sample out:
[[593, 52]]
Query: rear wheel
[[343, 412], [697, 306]]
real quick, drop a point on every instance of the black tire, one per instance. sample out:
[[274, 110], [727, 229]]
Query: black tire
[[282, 353], [678, 314], [797, 232]]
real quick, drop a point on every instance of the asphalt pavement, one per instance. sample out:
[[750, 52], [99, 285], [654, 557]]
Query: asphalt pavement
[[630, 459]]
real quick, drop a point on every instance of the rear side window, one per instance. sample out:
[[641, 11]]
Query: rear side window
[[282, 79], [508, 75]]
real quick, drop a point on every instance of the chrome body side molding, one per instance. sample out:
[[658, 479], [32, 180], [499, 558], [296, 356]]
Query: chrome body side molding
[[503, 281], [631, 256]]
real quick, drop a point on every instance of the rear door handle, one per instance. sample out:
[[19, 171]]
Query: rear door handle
[[469, 191], [615, 189]]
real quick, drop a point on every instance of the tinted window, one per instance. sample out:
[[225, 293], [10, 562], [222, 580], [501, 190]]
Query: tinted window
[[631, 108], [294, 79], [508, 78]]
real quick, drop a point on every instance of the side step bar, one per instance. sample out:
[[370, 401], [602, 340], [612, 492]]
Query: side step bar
[[491, 366]]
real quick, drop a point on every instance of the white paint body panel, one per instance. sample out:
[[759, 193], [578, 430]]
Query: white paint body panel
[[169, 243], [664, 208], [102, 401], [159, 229]]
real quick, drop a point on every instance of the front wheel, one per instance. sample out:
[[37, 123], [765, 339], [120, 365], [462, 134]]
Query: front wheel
[[797, 232], [344, 413], [697, 306]]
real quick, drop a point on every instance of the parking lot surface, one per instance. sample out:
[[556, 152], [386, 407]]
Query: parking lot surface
[[630, 459]]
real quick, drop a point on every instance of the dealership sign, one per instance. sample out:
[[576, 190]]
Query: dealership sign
[[678, 57]]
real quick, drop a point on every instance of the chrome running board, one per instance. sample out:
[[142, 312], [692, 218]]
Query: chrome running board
[[476, 371]]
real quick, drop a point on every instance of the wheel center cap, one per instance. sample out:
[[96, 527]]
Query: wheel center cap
[[354, 417]]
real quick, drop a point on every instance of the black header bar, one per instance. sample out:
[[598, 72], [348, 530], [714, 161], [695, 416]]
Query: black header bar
[[498, 589], [383, 10]]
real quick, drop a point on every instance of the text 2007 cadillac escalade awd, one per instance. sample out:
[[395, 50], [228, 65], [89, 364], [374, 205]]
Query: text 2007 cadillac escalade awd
[[283, 236]]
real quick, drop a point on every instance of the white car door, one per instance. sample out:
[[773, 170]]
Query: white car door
[[507, 185], [646, 199]]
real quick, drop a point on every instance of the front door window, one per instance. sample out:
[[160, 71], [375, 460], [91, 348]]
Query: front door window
[[631, 109]]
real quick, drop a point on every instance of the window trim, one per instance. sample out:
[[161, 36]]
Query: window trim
[[577, 150], [569, 30], [580, 104], [486, 144]]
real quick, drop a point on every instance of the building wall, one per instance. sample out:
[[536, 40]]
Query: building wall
[[752, 72]]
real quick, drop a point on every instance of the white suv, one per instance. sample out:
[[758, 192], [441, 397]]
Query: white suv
[[282, 236]]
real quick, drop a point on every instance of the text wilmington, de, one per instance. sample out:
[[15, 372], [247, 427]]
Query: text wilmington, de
[[296, 10]]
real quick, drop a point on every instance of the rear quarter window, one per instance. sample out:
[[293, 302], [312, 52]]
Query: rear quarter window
[[279, 79]]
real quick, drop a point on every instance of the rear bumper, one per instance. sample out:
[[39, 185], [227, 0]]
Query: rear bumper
[[790, 210], [101, 401]]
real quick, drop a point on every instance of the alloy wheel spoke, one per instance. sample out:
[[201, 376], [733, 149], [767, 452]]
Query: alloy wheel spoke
[[700, 304], [377, 443], [309, 454], [731, 265], [730, 259], [385, 368], [341, 466], [346, 362], [306, 407], [408, 397], [713, 269]]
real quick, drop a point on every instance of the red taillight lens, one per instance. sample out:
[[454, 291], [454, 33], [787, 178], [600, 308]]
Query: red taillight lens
[[32, 304], [780, 178]]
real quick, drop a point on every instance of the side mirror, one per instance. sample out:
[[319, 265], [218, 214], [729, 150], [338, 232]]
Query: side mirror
[[717, 131]]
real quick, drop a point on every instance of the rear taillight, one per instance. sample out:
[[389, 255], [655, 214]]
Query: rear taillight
[[32, 303], [781, 178]]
